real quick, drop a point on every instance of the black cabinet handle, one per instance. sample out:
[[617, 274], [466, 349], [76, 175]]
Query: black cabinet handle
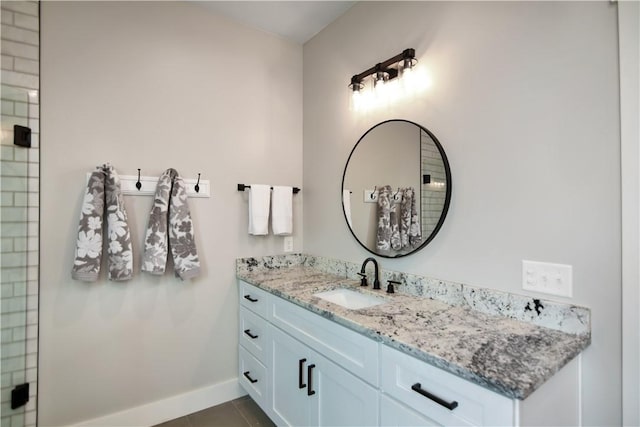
[[248, 332], [250, 299], [246, 374], [449, 405], [300, 373], [310, 391]]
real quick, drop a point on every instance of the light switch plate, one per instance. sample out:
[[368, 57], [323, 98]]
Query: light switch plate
[[288, 243], [547, 278]]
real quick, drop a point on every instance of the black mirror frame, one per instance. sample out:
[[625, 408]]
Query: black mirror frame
[[447, 200]]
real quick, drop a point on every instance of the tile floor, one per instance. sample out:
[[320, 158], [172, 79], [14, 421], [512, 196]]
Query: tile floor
[[242, 412]]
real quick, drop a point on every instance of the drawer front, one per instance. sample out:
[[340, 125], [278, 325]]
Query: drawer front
[[254, 335], [475, 405], [395, 414], [253, 377], [351, 350], [254, 299]]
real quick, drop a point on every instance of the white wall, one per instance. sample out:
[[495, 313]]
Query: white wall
[[152, 86], [525, 102]]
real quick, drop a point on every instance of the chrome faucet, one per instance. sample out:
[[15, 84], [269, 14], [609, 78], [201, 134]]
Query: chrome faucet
[[363, 275]]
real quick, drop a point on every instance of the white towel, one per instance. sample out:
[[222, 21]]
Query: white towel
[[282, 211], [259, 198], [346, 203]]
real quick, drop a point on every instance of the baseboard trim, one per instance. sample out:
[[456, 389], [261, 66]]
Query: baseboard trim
[[170, 408]]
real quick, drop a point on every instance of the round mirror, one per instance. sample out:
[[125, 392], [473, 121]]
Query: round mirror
[[396, 188]]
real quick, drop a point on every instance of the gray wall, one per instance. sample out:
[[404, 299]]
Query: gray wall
[[525, 102], [154, 85]]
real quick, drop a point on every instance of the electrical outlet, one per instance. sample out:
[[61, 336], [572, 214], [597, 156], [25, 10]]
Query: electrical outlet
[[288, 243], [547, 278]]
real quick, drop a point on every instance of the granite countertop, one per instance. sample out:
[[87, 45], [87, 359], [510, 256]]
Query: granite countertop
[[508, 356]]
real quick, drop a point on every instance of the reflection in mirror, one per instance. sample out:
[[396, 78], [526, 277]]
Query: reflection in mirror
[[396, 188]]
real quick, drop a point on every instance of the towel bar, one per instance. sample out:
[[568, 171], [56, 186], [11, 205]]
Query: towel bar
[[242, 187]]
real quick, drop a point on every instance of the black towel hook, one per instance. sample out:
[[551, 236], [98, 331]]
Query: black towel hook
[[138, 184], [394, 196], [197, 186], [372, 196]]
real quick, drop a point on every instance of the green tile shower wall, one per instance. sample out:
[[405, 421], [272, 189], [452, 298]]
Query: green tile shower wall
[[19, 207]]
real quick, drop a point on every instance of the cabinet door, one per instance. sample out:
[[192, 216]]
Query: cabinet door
[[341, 398], [395, 414], [289, 361]]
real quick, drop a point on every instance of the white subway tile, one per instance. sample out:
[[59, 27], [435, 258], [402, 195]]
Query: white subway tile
[[32, 258], [34, 96], [17, 420], [7, 108], [35, 140], [10, 275], [6, 152], [26, 21], [25, 7], [33, 170], [9, 121], [13, 93], [15, 169], [32, 331], [13, 364], [6, 290], [6, 198], [21, 154], [6, 138], [19, 377], [33, 214], [28, 66], [32, 303], [29, 418], [20, 50], [19, 333], [31, 362], [21, 109], [7, 62], [7, 17], [12, 214], [18, 184], [19, 244], [32, 317], [32, 273], [20, 289], [19, 79], [20, 199], [34, 124], [32, 290], [34, 156], [33, 185], [32, 229], [13, 229], [13, 305], [6, 244], [33, 199], [32, 346], [20, 35], [34, 111]]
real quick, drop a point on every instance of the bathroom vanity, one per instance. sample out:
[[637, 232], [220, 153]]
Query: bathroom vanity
[[406, 360]]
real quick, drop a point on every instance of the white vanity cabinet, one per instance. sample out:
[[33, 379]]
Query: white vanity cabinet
[[310, 390], [305, 370], [417, 392], [255, 343]]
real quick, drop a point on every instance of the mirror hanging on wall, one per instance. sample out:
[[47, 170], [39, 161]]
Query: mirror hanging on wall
[[396, 188]]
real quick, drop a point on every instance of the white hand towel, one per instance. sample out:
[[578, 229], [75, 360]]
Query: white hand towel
[[259, 198], [282, 211], [346, 203]]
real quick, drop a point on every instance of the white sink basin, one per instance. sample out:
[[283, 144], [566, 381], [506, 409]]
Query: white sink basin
[[350, 299]]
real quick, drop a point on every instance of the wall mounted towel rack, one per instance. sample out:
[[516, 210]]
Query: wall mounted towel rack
[[242, 187], [148, 186]]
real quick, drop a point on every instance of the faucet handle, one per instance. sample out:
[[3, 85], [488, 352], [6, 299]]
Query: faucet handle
[[390, 289], [363, 279]]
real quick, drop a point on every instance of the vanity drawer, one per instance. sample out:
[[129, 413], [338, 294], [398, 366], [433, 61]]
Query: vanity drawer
[[348, 349], [254, 334], [475, 405], [254, 299], [253, 377]]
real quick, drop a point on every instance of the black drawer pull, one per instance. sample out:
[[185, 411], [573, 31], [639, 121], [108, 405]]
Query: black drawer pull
[[300, 373], [449, 405], [310, 391], [248, 332], [246, 374], [250, 299]]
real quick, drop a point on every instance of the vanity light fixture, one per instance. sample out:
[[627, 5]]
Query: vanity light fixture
[[387, 70], [382, 73]]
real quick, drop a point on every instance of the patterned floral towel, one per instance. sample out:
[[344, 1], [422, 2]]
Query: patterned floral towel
[[170, 212], [405, 216], [103, 191], [383, 237], [415, 229]]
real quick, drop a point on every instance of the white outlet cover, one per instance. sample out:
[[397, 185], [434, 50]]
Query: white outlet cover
[[288, 243], [547, 278]]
